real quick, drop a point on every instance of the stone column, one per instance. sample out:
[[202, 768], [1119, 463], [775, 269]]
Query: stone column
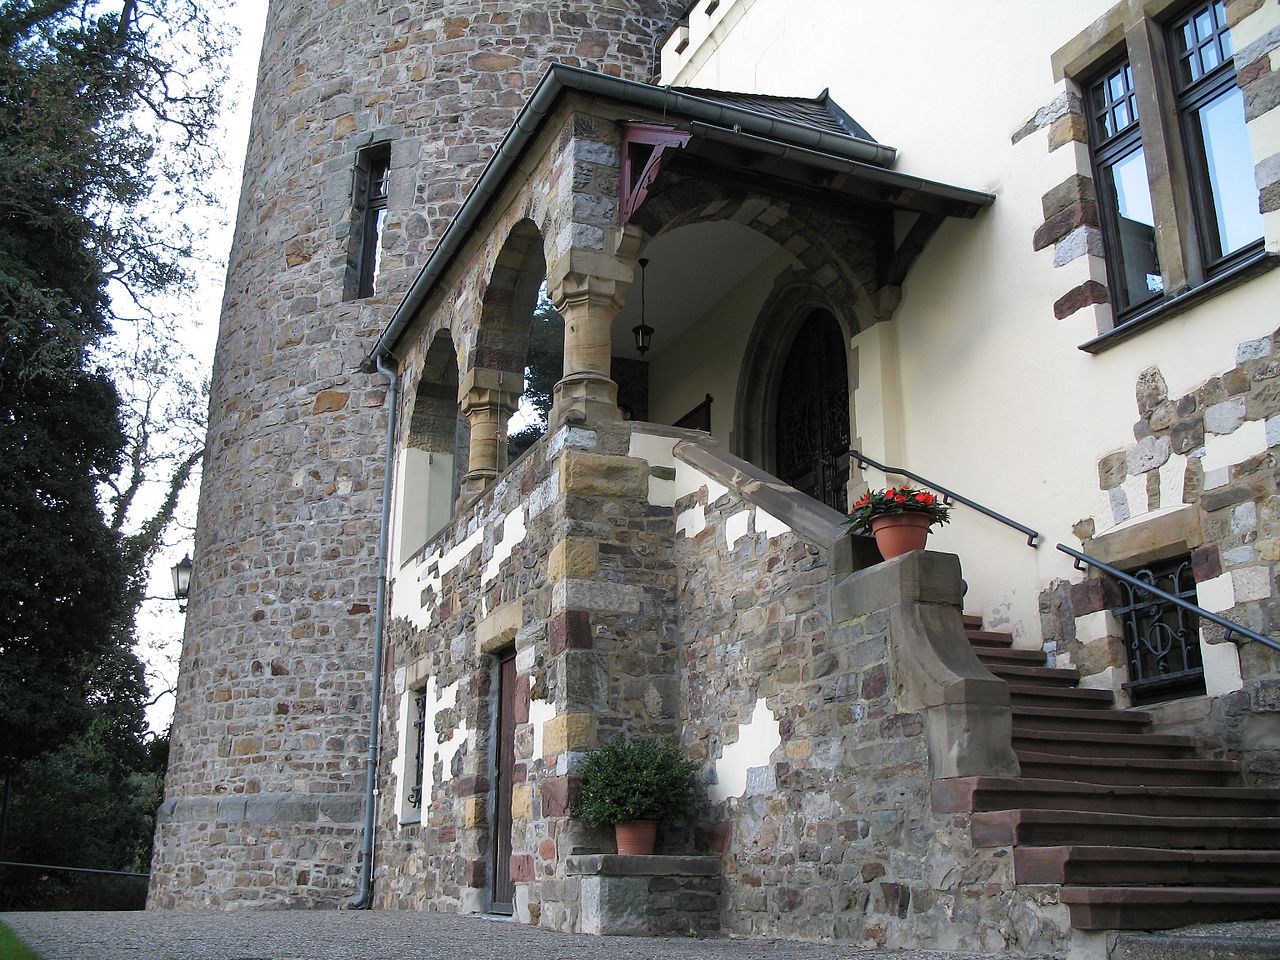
[[487, 399], [589, 303]]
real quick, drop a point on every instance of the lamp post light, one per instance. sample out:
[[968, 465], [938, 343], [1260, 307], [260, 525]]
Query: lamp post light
[[182, 581]]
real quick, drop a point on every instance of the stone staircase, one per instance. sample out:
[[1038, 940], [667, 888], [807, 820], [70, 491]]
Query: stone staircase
[[1139, 830]]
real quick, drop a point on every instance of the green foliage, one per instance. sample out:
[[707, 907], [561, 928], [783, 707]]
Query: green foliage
[[894, 501], [11, 948], [641, 780], [105, 135]]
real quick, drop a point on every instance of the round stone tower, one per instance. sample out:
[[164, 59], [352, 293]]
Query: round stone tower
[[264, 794]]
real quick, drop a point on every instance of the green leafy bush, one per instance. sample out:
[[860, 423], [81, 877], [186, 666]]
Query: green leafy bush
[[641, 780]]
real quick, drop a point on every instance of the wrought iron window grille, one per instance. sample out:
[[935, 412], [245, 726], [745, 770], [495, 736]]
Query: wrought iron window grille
[[419, 734], [1162, 640]]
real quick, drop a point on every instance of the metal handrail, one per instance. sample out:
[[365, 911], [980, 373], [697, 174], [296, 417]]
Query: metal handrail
[[50, 866], [864, 460], [1228, 625]]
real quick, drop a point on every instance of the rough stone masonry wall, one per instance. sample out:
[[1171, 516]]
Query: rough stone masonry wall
[[566, 559], [1200, 479], [273, 692], [818, 783]]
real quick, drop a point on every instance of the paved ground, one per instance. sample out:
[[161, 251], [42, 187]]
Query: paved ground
[[403, 935]]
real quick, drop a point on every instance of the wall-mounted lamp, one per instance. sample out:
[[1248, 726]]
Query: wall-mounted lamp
[[643, 332], [182, 581]]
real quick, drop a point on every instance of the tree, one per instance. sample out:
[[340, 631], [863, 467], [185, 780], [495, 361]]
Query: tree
[[106, 133], [544, 366]]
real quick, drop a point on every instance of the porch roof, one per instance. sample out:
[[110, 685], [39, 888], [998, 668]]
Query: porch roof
[[812, 133]]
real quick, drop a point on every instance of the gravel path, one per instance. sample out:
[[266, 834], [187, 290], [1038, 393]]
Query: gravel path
[[399, 935]]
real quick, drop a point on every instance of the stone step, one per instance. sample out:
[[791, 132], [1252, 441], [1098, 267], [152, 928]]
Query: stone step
[[1022, 658], [1051, 676], [1136, 745], [972, 620], [1139, 866], [1127, 770], [1010, 793], [1159, 908], [989, 638], [1075, 720], [1082, 698], [1257, 940], [1001, 828]]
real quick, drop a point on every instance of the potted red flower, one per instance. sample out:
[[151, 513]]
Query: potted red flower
[[899, 518]]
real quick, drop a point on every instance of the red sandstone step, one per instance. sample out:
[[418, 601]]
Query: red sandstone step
[[1001, 828], [1051, 676], [1084, 698], [1012, 793], [1127, 770], [1023, 658], [989, 638], [1158, 908], [1093, 720], [1135, 745], [1141, 866], [972, 620]]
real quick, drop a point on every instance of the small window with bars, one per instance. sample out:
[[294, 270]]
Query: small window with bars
[[418, 752], [1162, 639]]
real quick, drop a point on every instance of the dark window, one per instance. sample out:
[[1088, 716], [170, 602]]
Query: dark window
[[1162, 640], [1210, 193], [1211, 111], [372, 180], [418, 750]]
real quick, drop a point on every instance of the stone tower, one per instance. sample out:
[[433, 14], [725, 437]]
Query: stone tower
[[264, 794]]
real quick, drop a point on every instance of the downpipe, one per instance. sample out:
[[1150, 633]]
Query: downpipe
[[364, 899]]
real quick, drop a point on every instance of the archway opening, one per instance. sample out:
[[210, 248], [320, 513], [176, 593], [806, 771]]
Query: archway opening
[[434, 455]]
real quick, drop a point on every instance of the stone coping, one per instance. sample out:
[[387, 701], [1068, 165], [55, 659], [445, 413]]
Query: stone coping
[[263, 808], [812, 520], [616, 865]]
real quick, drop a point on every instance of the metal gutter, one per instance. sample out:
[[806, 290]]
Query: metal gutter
[[559, 78], [364, 899]]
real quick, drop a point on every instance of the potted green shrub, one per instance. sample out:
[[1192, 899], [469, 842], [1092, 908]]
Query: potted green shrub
[[899, 518], [633, 786]]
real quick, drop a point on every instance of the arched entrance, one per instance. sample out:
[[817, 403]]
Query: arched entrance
[[812, 419]]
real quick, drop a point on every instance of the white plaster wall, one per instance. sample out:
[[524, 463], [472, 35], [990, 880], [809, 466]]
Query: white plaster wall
[[996, 400], [423, 502], [707, 356]]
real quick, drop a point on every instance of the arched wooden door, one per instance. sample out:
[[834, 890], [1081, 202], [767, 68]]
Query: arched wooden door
[[812, 425]]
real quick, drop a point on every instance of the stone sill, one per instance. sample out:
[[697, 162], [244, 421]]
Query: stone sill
[[616, 865], [1245, 270]]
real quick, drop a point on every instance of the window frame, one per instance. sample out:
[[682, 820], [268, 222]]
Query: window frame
[[370, 190], [1144, 38]]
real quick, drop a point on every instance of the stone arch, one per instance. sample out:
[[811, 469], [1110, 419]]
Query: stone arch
[[434, 454], [796, 296], [507, 301], [839, 254]]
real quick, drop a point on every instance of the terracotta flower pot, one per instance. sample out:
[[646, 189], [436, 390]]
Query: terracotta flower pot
[[635, 838], [900, 533]]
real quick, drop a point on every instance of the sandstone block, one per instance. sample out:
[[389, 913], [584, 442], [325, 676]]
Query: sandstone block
[[522, 802], [499, 628], [474, 811], [574, 557], [328, 401], [569, 731], [600, 475]]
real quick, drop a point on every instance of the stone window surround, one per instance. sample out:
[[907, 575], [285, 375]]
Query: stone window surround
[[359, 249], [1137, 27], [1161, 536], [415, 682]]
